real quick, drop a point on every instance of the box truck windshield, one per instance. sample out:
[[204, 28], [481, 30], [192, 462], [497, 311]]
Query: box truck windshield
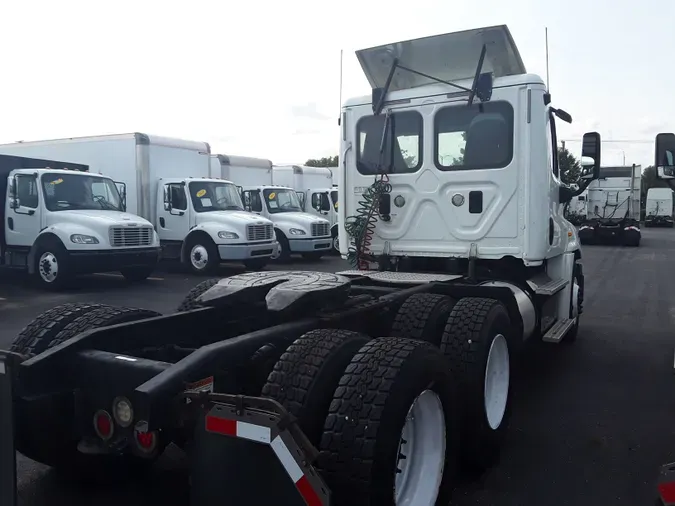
[[282, 200], [214, 196], [67, 192]]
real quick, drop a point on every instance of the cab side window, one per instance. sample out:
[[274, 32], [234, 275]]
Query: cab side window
[[26, 191], [177, 194]]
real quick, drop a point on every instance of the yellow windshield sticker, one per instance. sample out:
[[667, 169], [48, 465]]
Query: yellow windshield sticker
[[201, 193], [272, 195], [57, 181], [336, 205]]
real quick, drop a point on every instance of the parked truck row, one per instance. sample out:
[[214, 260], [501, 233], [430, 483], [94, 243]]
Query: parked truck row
[[128, 200]]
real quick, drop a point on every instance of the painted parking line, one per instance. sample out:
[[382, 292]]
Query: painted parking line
[[113, 275]]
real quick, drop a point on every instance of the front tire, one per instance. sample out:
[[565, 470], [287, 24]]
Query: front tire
[[52, 266], [283, 253], [336, 243], [202, 256]]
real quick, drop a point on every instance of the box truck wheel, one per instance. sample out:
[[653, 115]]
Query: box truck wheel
[[392, 431], [336, 241], [52, 269], [477, 341], [283, 252], [202, 255]]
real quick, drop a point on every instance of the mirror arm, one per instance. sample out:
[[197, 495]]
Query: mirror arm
[[566, 192]]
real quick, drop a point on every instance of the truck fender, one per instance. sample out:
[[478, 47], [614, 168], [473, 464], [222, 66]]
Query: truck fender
[[521, 310], [45, 238], [195, 232]]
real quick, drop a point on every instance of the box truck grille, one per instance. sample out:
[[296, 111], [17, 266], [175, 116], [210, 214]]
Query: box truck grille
[[320, 229], [259, 232], [130, 236]]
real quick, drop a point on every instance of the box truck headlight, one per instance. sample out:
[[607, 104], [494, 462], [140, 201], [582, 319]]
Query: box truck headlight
[[83, 239], [296, 231], [224, 234]]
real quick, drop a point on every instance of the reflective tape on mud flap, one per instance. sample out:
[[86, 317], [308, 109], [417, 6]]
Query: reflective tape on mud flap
[[8, 492], [306, 480]]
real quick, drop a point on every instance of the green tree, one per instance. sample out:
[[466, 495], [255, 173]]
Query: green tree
[[329, 161], [569, 166]]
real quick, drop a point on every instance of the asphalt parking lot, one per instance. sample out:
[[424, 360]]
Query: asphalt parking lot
[[592, 422]]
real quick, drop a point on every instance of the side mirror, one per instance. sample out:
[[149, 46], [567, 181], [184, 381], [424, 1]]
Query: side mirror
[[664, 159], [324, 204], [590, 156], [122, 189], [167, 199], [13, 200]]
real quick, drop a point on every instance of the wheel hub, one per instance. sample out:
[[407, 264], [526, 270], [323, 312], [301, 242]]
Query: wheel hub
[[421, 454], [48, 267], [199, 257], [497, 377]]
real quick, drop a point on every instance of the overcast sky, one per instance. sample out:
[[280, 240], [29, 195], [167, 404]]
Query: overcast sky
[[263, 79]]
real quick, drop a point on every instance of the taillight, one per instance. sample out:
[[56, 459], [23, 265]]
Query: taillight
[[146, 442], [103, 424]]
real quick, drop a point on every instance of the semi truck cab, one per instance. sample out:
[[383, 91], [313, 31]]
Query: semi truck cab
[[59, 223]]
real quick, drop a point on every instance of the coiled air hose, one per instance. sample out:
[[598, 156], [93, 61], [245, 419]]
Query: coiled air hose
[[361, 225]]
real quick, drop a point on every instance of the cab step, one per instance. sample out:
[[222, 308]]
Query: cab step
[[556, 333], [543, 285]]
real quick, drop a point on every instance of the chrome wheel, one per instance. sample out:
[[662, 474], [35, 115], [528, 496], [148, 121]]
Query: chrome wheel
[[199, 257], [48, 267]]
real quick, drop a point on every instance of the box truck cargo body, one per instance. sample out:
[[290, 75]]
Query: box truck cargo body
[[200, 220], [296, 231], [60, 220]]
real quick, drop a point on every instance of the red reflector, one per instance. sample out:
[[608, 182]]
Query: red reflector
[[221, 425], [103, 424], [667, 492], [307, 492], [146, 439]]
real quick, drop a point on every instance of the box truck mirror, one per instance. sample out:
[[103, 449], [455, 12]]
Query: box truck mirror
[[665, 156]]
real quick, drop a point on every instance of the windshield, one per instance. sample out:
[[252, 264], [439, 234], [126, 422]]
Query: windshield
[[282, 201], [334, 198], [215, 196], [69, 191]]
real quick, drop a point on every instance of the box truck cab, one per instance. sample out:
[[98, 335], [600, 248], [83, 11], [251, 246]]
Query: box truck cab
[[296, 231], [314, 186], [58, 223], [200, 220], [659, 207]]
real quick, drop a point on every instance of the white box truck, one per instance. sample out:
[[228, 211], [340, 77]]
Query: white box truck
[[199, 220], [296, 231], [659, 207], [60, 220], [314, 186]]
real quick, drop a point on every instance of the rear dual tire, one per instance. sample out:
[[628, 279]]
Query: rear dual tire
[[354, 398]]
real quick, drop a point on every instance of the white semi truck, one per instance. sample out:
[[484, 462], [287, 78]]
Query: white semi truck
[[60, 220], [613, 207], [659, 208], [450, 209], [296, 231], [314, 186], [199, 219]]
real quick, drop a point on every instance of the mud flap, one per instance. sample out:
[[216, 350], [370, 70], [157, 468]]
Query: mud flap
[[8, 491], [666, 485], [248, 450]]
